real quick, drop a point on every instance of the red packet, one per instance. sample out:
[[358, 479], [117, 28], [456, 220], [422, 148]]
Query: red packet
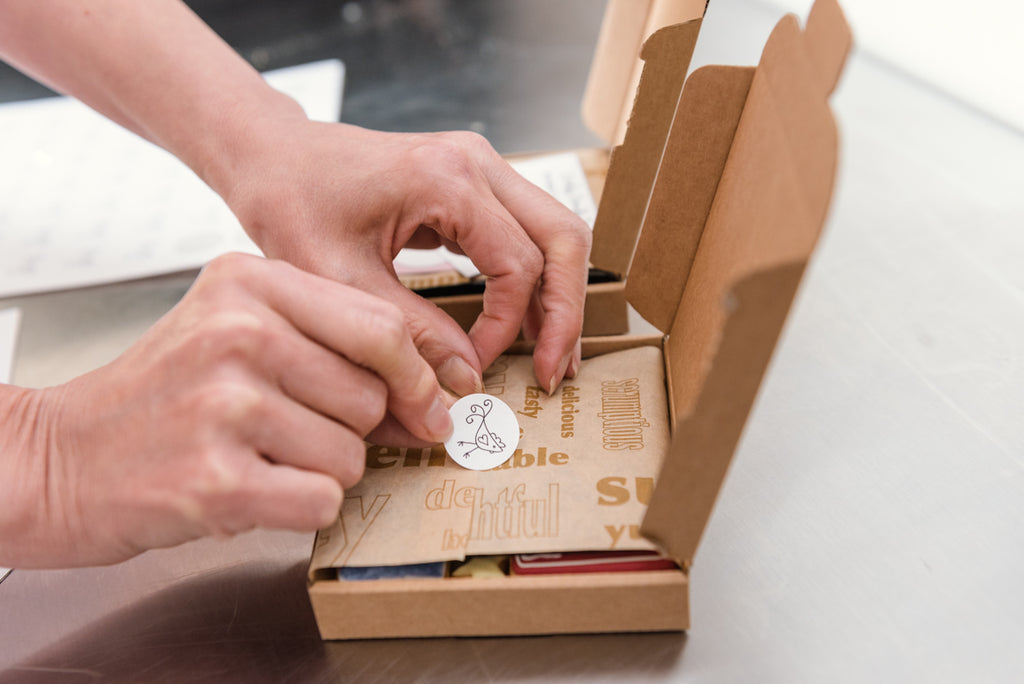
[[589, 561]]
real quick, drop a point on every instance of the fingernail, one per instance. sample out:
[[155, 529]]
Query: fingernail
[[439, 421], [459, 377], [560, 373]]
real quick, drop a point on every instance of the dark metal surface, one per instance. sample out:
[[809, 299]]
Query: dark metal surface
[[237, 611], [512, 71]]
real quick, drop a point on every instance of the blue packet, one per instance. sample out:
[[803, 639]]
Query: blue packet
[[392, 571]]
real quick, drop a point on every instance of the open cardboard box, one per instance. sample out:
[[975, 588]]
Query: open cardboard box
[[740, 194], [607, 104]]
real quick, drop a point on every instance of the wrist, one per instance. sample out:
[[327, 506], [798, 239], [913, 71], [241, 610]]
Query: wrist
[[27, 439], [237, 135]]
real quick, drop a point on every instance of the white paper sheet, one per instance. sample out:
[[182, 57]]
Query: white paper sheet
[[9, 321], [82, 201]]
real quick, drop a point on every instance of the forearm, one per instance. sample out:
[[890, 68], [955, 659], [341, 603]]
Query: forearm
[[153, 67]]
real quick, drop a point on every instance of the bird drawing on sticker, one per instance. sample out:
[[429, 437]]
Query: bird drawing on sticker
[[484, 440]]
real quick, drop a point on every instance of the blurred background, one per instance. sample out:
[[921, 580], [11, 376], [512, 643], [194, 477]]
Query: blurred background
[[972, 51], [401, 52], [494, 67]]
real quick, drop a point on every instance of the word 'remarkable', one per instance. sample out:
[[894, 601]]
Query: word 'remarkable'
[[378, 457]]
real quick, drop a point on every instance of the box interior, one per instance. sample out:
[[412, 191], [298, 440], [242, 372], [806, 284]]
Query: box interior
[[736, 205]]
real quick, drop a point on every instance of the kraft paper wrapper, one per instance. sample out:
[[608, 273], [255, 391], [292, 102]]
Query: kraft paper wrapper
[[579, 480]]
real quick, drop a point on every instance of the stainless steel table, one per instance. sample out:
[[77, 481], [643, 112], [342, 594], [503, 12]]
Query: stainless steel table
[[872, 526]]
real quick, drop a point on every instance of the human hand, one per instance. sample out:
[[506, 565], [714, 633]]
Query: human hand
[[244, 406], [335, 199], [341, 201]]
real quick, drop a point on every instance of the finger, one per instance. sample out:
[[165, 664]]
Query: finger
[[565, 241], [234, 488], [439, 339], [329, 383], [488, 234], [389, 431], [393, 433], [288, 433], [366, 330], [286, 498], [293, 499]]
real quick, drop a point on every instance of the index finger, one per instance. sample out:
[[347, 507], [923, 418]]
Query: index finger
[[565, 241], [367, 331]]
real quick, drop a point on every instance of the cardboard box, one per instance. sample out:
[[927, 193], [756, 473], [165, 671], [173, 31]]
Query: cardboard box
[[739, 199], [607, 104]]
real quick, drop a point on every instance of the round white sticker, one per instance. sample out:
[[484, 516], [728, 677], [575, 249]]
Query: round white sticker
[[486, 432]]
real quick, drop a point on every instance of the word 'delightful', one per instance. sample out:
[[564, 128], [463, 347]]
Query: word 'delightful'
[[509, 515]]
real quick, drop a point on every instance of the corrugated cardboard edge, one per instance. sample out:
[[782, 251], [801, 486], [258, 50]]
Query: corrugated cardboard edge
[[634, 164], [767, 215]]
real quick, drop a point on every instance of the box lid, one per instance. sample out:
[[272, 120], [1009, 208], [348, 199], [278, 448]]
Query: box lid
[[634, 164], [616, 67], [723, 304]]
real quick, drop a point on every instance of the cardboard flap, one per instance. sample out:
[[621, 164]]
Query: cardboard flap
[[615, 69], [703, 444], [634, 164], [695, 155], [828, 42], [767, 214], [611, 71]]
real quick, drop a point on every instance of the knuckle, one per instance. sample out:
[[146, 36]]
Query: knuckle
[[471, 141], [455, 152], [214, 481], [230, 334], [577, 234], [364, 404], [531, 262], [225, 404], [232, 266], [387, 324], [227, 275], [579, 238]]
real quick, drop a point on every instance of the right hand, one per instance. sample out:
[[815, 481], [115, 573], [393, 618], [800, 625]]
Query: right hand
[[245, 406], [341, 201]]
